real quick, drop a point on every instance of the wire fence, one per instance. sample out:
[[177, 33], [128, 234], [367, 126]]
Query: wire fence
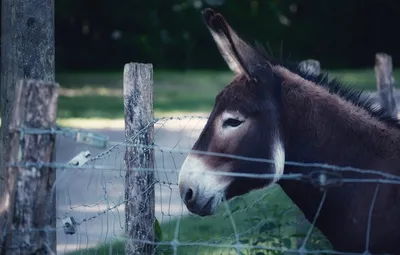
[[90, 198], [90, 190]]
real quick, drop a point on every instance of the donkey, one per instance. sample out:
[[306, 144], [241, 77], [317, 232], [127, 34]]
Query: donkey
[[273, 110]]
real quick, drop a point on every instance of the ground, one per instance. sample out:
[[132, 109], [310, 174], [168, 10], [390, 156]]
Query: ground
[[94, 196]]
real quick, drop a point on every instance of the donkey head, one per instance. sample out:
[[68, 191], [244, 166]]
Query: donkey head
[[245, 122]]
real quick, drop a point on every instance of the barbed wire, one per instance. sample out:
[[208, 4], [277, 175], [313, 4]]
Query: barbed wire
[[313, 178], [324, 176]]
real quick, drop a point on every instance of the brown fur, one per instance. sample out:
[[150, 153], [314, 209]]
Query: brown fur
[[338, 133], [315, 126], [305, 101]]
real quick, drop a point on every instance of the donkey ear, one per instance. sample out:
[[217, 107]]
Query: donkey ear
[[241, 57]]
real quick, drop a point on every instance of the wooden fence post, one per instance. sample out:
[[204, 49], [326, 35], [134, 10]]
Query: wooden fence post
[[27, 214], [27, 52], [310, 66], [139, 184], [385, 82]]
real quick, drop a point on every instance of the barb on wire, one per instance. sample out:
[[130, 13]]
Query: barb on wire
[[323, 179]]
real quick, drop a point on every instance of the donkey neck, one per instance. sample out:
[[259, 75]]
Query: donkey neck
[[321, 127]]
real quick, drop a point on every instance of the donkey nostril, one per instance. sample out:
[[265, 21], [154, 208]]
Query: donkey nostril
[[189, 196]]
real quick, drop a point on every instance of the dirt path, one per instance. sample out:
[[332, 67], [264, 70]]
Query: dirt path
[[95, 196]]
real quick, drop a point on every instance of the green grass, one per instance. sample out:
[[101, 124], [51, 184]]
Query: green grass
[[265, 218], [99, 95], [173, 91]]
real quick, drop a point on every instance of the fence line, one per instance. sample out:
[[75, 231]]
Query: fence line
[[315, 180], [392, 178], [129, 142], [385, 179], [140, 149], [124, 144]]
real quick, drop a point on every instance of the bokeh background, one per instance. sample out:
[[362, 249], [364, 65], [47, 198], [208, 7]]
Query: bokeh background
[[94, 39], [170, 33]]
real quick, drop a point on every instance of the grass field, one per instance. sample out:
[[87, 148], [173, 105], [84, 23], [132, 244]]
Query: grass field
[[262, 218], [99, 95], [91, 95]]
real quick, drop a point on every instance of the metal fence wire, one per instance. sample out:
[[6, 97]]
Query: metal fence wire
[[90, 198]]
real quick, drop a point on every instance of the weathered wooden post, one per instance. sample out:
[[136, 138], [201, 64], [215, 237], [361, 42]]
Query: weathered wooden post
[[27, 52], [139, 184], [27, 215], [310, 66], [385, 82]]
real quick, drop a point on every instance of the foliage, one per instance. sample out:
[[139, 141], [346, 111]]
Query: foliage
[[171, 34]]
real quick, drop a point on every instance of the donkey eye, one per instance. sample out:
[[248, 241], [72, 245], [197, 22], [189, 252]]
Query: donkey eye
[[232, 123]]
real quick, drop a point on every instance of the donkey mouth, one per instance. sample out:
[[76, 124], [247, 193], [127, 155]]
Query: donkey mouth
[[207, 208]]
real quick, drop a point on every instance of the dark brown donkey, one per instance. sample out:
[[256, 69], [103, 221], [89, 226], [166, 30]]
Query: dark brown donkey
[[274, 111]]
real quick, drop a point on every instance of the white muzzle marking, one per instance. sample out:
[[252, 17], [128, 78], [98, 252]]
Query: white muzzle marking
[[207, 182], [279, 160]]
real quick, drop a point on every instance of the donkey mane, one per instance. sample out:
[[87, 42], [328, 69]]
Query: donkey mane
[[335, 86]]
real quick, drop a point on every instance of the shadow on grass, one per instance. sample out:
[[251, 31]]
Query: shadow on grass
[[264, 218]]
